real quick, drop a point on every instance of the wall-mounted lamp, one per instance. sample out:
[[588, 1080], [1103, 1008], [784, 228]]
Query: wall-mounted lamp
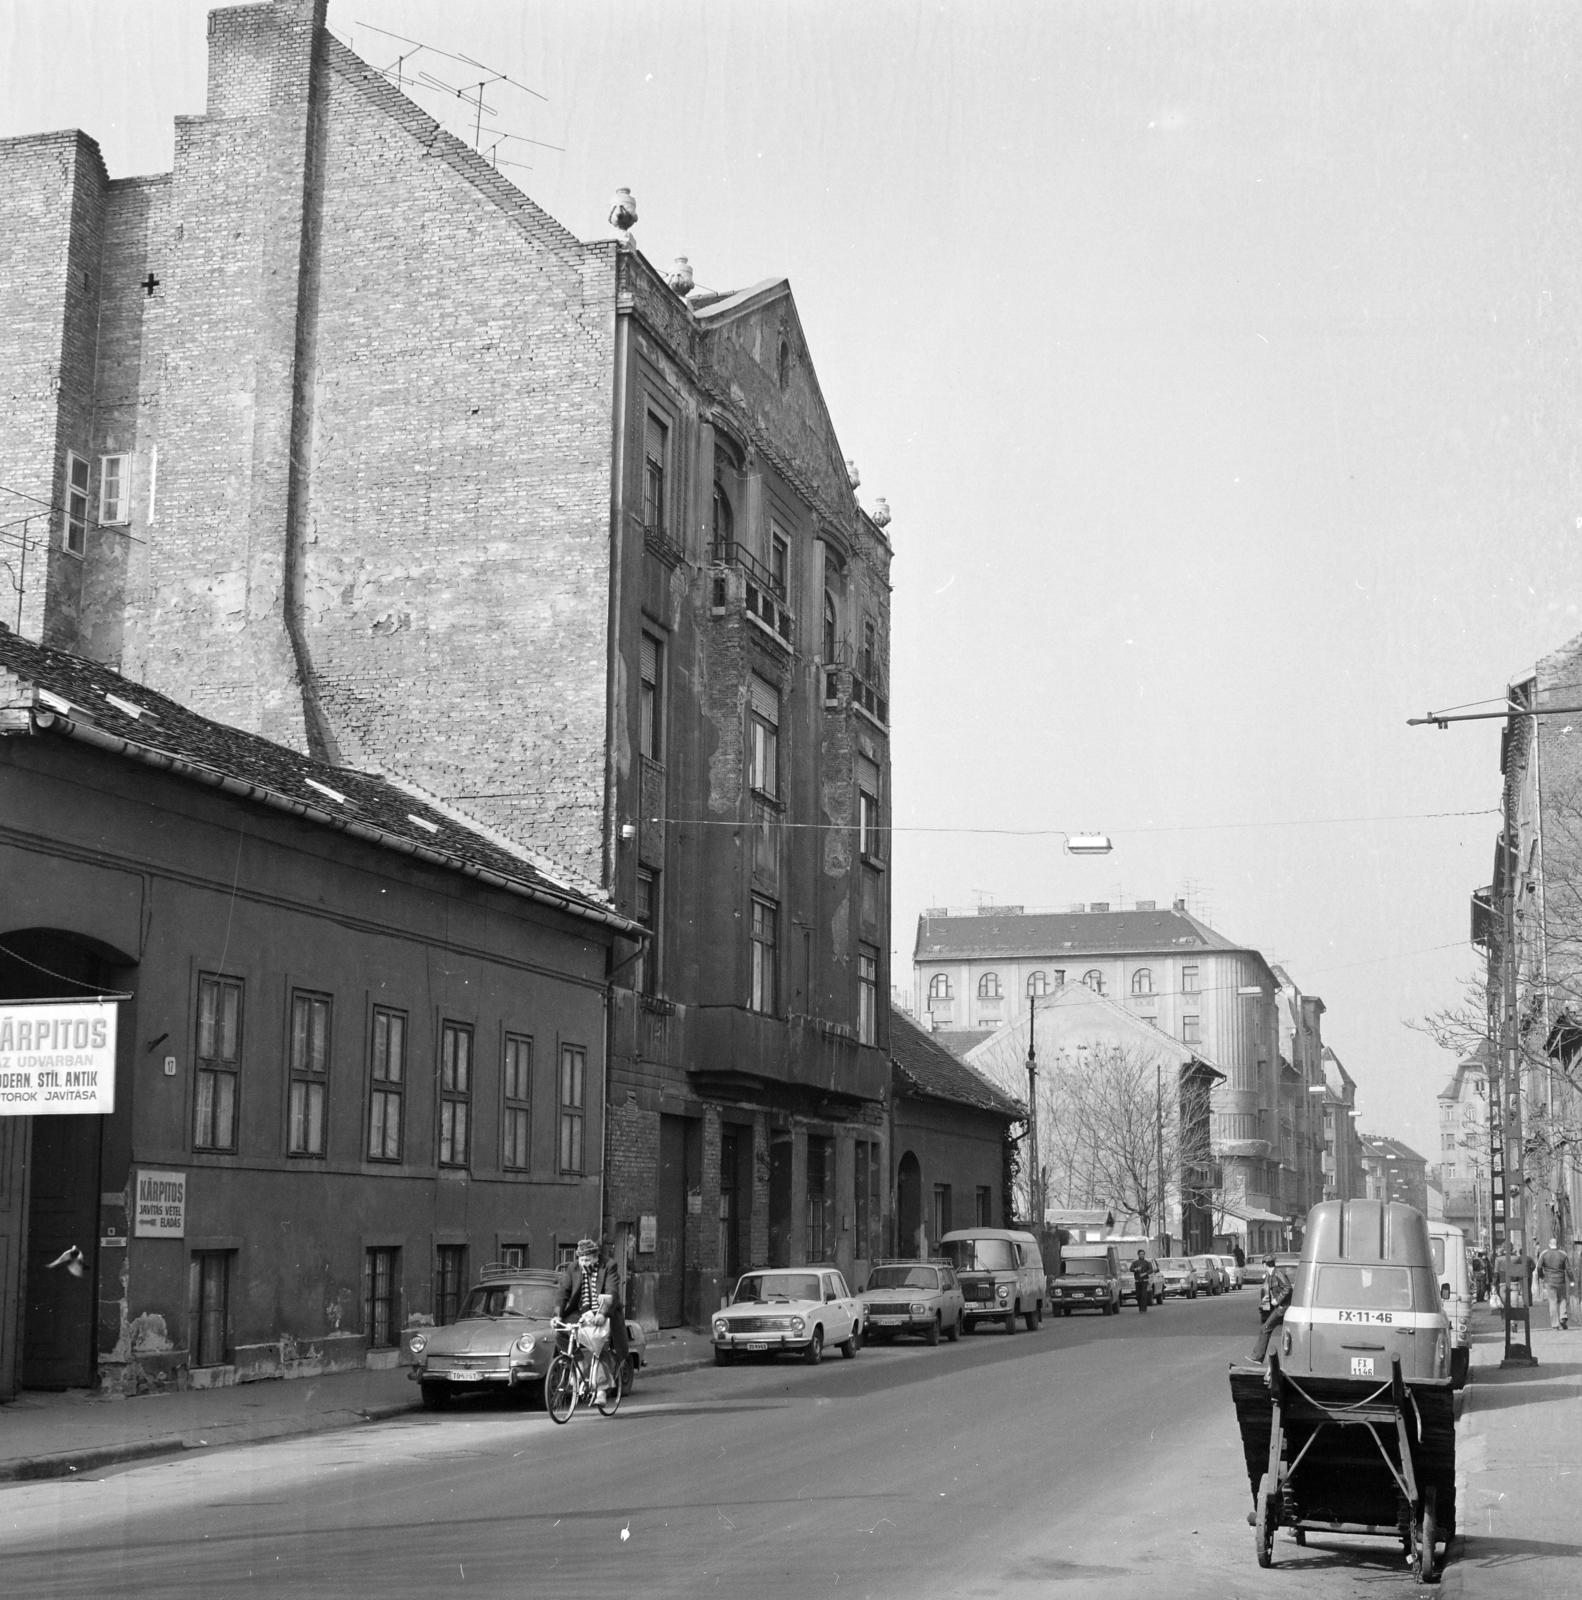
[[628, 832]]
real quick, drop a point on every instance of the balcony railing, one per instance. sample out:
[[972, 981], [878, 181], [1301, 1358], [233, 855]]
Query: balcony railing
[[765, 593], [867, 687]]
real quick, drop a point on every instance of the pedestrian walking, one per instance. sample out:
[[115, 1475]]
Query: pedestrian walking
[[1142, 1271], [1554, 1269], [1513, 1276], [1272, 1302], [1240, 1255]]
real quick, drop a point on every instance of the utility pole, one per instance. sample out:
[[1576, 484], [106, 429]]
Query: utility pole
[[1159, 1139], [1517, 1353], [1033, 1173]]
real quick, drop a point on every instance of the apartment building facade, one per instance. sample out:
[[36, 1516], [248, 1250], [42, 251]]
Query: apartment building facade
[[333, 435]]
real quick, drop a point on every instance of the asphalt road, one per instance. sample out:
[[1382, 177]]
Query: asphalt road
[[1098, 1456]]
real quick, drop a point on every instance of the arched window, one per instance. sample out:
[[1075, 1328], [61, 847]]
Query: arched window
[[724, 522], [1093, 979], [1038, 983], [830, 627], [939, 986], [989, 986], [1142, 981]]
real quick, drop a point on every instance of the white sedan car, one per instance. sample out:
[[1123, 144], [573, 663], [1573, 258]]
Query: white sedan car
[[800, 1309]]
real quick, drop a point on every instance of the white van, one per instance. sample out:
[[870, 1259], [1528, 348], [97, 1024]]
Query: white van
[[1449, 1245]]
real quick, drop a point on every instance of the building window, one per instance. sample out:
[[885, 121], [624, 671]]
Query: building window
[[211, 1305], [820, 1196], [1189, 980], [869, 836], [1190, 1030], [1093, 979], [867, 994], [763, 735], [830, 628], [648, 914], [1142, 981], [650, 703], [310, 1071], [1060, 977], [942, 1223], [724, 521], [76, 504], [573, 1087], [455, 1093], [450, 1281], [518, 1127], [514, 1256], [779, 563], [219, 1063], [989, 986], [766, 917], [939, 986], [985, 1207], [382, 1297], [870, 649], [388, 1071], [1038, 983], [114, 500], [656, 459]]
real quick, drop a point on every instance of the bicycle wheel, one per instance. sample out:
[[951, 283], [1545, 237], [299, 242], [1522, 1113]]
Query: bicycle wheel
[[607, 1377], [560, 1388]]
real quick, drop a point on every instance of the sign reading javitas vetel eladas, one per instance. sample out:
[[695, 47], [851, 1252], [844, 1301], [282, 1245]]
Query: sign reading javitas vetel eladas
[[57, 1058]]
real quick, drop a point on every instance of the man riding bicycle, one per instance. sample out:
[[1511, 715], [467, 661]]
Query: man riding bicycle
[[592, 1298]]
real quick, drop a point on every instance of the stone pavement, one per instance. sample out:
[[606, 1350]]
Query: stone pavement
[[1519, 1468], [48, 1435]]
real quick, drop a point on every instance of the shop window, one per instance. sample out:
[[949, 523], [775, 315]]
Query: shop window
[[455, 1093], [387, 1095], [219, 1063], [518, 1123]]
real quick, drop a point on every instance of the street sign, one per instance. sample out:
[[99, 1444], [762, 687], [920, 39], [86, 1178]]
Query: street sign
[[57, 1058]]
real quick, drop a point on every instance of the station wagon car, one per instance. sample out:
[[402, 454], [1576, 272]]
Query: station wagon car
[[502, 1338], [800, 1309], [911, 1297]]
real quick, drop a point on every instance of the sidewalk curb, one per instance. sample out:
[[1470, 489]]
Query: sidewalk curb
[[68, 1463]]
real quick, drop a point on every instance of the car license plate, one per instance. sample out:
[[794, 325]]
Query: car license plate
[[758, 1344], [887, 1322], [466, 1377], [1362, 1366]]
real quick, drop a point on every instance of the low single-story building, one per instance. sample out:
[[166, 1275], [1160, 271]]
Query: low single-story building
[[356, 1046], [949, 1142]]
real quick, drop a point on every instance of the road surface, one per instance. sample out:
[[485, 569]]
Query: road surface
[[1098, 1456]]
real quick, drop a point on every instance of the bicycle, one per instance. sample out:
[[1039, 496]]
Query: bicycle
[[577, 1377]]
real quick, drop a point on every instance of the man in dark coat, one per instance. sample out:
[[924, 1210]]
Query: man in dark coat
[[594, 1286], [1276, 1296], [1142, 1271]]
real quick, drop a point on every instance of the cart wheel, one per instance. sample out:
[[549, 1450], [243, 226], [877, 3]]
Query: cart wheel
[[1263, 1527], [1423, 1555]]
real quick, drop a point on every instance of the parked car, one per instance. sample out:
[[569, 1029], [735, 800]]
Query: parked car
[[1090, 1280], [800, 1309], [501, 1339], [1254, 1271], [1449, 1244], [1211, 1275], [1156, 1281], [1233, 1273], [1180, 1277], [1001, 1273], [911, 1297]]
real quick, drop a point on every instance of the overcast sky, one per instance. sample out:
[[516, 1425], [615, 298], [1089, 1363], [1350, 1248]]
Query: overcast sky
[[1219, 363]]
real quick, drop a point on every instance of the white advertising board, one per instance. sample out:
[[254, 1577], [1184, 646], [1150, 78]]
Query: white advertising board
[[160, 1205], [57, 1058]]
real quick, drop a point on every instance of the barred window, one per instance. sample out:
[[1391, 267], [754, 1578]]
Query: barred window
[[219, 1062], [455, 1091], [387, 1095], [518, 1102]]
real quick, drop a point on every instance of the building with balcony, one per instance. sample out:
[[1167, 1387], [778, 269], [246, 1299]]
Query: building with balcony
[[1342, 1157], [335, 436], [1302, 1092], [1165, 968]]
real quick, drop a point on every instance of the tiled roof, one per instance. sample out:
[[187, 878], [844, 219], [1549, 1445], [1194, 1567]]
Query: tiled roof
[[925, 1068], [958, 1041], [68, 694], [1389, 1149], [1054, 935]]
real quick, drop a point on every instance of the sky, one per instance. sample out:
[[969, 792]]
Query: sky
[[1219, 363]]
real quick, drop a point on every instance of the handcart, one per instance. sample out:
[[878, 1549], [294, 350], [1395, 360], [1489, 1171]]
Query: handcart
[[1343, 1455]]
